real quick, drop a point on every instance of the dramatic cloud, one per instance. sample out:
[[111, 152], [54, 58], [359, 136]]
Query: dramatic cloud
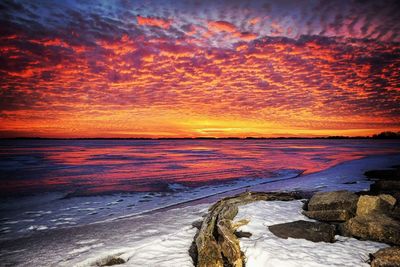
[[222, 26], [162, 23], [232, 68]]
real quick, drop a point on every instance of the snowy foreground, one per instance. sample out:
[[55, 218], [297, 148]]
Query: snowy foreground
[[265, 249], [162, 238]]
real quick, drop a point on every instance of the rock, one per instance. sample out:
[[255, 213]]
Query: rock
[[375, 204], [329, 215], [313, 231], [336, 200], [241, 234], [110, 261], [390, 174], [385, 186], [386, 257], [377, 227], [197, 224], [337, 206]]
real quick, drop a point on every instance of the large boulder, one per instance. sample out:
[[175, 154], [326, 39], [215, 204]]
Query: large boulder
[[335, 206], [335, 200], [377, 227], [386, 257], [367, 205], [313, 231]]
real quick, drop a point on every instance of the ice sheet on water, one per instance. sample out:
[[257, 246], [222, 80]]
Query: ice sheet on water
[[58, 211]]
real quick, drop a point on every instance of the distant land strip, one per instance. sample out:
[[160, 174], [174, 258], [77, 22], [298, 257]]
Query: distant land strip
[[383, 135]]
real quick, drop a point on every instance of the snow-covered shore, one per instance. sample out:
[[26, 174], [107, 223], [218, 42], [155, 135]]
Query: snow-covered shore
[[265, 249], [162, 238]]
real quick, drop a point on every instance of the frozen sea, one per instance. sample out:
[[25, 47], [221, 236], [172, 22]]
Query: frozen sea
[[76, 202]]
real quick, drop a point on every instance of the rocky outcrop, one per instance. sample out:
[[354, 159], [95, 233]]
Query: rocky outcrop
[[374, 220], [313, 231], [216, 243], [386, 257], [337, 206]]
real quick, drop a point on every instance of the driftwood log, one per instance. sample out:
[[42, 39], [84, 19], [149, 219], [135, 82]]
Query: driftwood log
[[216, 243]]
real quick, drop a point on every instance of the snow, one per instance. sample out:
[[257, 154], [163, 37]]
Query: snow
[[265, 249], [166, 244]]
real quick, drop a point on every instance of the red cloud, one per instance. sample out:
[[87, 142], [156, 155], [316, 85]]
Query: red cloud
[[155, 22]]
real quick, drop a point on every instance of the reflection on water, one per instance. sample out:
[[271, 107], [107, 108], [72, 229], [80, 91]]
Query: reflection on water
[[103, 166]]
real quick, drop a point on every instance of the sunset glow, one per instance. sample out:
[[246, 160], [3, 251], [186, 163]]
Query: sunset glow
[[197, 68]]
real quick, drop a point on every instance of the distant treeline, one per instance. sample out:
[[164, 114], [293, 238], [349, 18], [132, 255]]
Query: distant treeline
[[387, 135], [382, 135]]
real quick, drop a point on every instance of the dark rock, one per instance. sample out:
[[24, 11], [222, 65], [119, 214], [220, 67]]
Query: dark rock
[[241, 234], [113, 261], [336, 200], [386, 257], [197, 224], [305, 204], [329, 215], [377, 227], [391, 174], [385, 186], [193, 250], [313, 231]]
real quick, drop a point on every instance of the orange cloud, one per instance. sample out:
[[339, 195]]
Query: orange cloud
[[222, 26], [154, 87], [154, 22], [246, 36], [254, 21]]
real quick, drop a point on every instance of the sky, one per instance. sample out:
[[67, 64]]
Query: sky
[[199, 68]]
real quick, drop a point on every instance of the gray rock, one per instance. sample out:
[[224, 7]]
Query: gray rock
[[386, 257], [313, 231]]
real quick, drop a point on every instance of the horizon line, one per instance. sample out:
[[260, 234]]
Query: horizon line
[[195, 138]]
